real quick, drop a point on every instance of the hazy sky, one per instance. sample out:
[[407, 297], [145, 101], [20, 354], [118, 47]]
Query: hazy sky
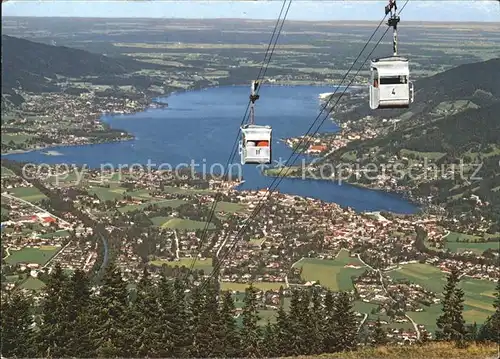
[[421, 10]]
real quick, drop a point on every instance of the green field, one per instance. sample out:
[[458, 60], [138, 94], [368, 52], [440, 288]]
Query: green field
[[56, 234], [459, 242], [331, 273], [17, 138], [241, 287], [477, 248], [158, 221], [229, 207], [70, 178], [423, 274], [30, 194], [140, 193], [206, 264], [478, 293], [163, 203], [363, 307], [421, 155], [107, 194], [5, 172], [32, 284], [186, 191], [187, 224], [32, 255]]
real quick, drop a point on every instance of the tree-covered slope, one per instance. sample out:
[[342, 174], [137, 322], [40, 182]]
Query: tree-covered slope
[[477, 82], [37, 67]]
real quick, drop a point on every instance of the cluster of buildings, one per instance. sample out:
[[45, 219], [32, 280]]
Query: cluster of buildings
[[34, 240], [316, 145], [83, 126], [286, 229]]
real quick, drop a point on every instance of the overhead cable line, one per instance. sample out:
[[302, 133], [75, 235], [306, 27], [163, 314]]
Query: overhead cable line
[[280, 177], [263, 69]]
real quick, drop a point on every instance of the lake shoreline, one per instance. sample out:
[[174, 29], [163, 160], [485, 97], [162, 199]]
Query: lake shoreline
[[196, 101], [416, 202]]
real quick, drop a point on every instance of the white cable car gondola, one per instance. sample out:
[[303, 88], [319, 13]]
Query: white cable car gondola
[[255, 144], [390, 85], [256, 141]]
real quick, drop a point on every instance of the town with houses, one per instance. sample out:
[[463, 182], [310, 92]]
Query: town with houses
[[156, 219], [77, 116]]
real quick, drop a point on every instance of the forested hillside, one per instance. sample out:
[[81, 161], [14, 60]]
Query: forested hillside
[[450, 137], [37, 67], [163, 318], [476, 82]]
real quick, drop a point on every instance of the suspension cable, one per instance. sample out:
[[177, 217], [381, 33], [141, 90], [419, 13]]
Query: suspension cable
[[261, 74], [279, 178]]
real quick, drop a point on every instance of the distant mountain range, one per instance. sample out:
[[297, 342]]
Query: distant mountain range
[[36, 67]]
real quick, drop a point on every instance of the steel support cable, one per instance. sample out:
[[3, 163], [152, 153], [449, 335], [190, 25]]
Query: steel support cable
[[279, 178], [262, 72]]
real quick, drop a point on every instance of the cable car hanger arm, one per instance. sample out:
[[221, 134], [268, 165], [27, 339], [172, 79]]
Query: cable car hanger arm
[[393, 22]]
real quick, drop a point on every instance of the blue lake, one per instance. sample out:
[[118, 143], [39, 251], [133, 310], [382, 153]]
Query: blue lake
[[201, 126]]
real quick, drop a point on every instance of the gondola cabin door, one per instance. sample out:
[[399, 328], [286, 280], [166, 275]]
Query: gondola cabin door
[[374, 90]]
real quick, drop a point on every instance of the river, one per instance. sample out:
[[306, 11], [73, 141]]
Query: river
[[201, 126]]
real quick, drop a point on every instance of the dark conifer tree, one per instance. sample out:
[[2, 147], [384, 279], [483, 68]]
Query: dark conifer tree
[[174, 336], [16, 335], [307, 344], [145, 328], [250, 330], [197, 307], [209, 338], [80, 316], [53, 336], [472, 332], [167, 305], [295, 322], [346, 328], [450, 323], [491, 329], [445, 320], [283, 332], [458, 324], [112, 304], [182, 323], [269, 341], [329, 324], [316, 326], [379, 335], [230, 335]]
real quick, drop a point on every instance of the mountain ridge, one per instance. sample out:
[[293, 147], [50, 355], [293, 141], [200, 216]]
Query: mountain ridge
[[37, 67], [477, 82], [456, 123]]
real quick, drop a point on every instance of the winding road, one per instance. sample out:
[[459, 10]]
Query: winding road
[[177, 245]]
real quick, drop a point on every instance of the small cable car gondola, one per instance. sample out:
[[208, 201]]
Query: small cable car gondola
[[256, 141], [255, 145], [390, 85]]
